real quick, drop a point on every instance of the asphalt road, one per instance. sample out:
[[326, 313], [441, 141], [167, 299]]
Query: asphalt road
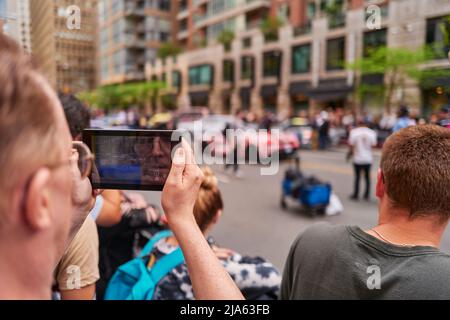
[[253, 222]]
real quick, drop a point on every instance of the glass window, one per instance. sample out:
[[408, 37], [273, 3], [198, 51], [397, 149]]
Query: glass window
[[336, 54], [435, 36], [117, 6], [201, 75], [118, 30], [119, 60], [228, 71], [247, 43], [301, 59], [105, 68], [247, 66], [272, 64], [176, 79], [374, 40]]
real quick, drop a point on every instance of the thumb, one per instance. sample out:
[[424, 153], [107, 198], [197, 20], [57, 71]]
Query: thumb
[[178, 165]]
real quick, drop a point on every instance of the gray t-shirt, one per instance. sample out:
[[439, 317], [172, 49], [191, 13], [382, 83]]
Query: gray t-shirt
[[340, 262]]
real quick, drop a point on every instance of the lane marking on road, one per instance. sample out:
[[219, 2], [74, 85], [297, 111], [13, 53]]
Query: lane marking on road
[[331, 168]]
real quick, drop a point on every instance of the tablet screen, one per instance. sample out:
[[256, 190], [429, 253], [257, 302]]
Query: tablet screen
[[130, 160]]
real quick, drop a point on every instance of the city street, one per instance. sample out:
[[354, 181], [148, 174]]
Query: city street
[[253, 222]]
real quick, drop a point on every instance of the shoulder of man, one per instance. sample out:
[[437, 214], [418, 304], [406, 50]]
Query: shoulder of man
[[78, 266], [316, 242], [321, 234]]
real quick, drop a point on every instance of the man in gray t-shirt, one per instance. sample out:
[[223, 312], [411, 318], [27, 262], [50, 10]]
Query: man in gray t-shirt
[[339, 262], [400, 257]]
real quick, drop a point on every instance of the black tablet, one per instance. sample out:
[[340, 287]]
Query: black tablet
[[131, 159]]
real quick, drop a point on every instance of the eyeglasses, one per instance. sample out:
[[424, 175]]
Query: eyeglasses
[[85, 159], [85, 164]]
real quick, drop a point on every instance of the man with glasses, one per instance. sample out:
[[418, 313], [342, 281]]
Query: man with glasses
[[44, 198], [45, 195]]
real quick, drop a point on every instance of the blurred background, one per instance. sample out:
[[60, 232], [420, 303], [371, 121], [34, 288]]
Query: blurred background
[[294, 65]]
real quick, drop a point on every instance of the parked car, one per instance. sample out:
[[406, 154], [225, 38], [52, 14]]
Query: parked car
[[185, 120], [302, 128], [255, 142]]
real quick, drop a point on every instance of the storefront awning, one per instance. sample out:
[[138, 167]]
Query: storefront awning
[[373, 79], [433, 82], [245, 93], [199, 98], [329, 90], [269, 90], [298, 88]]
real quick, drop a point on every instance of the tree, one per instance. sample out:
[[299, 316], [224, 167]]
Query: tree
[[398, 65], [445, 30], [270, 28], [226, 38], [122, 96], [167, 50]]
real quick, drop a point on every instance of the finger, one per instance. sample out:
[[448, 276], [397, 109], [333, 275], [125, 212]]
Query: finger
[[192, 170], [178, 166], [189, 153]]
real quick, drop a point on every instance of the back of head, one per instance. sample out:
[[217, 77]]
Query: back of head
[[209, 200], [403, 111], [416, 170], [77, 115], [27, 121]]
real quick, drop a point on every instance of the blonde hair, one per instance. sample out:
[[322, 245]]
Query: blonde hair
[[209, 200], [27, 121]]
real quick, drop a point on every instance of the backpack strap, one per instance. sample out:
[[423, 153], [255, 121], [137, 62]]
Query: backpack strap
[[165, 265], [153, 241]]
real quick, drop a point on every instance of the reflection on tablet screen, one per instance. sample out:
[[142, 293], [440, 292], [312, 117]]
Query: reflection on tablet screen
[[131, 160]]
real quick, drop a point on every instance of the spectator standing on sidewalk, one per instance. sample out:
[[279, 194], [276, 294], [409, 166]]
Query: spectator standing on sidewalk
[[362, 139]]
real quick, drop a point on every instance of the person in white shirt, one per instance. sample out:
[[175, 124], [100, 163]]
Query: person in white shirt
[[362, 139]]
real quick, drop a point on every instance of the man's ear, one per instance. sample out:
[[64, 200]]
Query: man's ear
[[37, 212], [380, 185], [217, 216]]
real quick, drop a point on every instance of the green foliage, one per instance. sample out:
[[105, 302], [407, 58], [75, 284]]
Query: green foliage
[[445, 29], [168, 49], [398, 65], [226, 38], [122, 96], [332, 8], [270, 28]]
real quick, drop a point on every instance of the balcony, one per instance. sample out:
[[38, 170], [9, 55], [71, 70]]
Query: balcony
[[302, 30], [240, 7], [132, 9], [132, 41], [182, 34], [135, 75], [337, 20]]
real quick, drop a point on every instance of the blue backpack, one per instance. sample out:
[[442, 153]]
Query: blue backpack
[[134, 281]]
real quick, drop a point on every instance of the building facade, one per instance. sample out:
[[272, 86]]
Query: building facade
[[131, 32], [15, 16], [64, 42], [304, 68]]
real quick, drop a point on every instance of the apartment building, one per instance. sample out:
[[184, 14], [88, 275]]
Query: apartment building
[[15, 17], [2, 15], [65, 51], [131, 31], [303, 69], [200, 21]]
